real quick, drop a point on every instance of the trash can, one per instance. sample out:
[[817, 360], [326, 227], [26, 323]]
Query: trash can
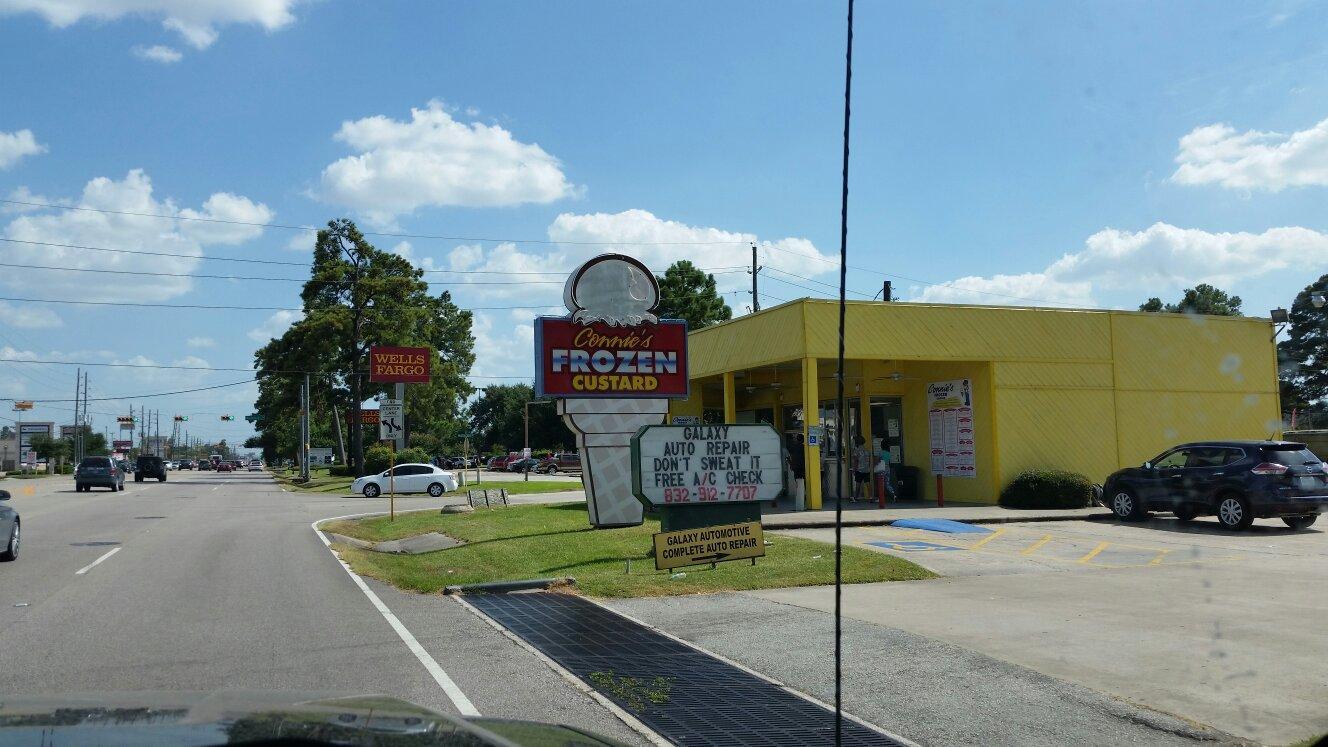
[[906, 480]]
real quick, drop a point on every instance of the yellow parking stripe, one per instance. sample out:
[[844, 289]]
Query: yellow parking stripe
[[988, 538], [1160, 555], [1094, 552], [1036, 545]]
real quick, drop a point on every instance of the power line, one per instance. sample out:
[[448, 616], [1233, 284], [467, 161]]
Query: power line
[[182, 368], [252, 277], [144, 396], [200, 219]]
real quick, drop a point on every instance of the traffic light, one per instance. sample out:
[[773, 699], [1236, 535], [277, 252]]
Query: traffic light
[[228, 417], [126, 421], [181, 418]]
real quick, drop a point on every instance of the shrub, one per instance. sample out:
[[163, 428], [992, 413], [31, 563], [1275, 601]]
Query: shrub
[[376, 458], [413, 455], [1047, 488], [341, 470]]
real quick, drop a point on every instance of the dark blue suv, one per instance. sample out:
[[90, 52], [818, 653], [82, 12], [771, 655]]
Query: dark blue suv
[[1237, 481]]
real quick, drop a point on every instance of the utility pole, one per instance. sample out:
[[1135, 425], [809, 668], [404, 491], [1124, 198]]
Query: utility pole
[[304, 428], [756, 299], [78, 383], [85, 423], [341, 442]]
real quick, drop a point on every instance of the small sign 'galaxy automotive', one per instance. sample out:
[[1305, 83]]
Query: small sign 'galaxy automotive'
[[707, 464], [399, 365], [714, 544]]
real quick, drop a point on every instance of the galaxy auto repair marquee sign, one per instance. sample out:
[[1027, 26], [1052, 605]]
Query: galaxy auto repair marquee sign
[[612, 345], [707, 464], [398, 365]]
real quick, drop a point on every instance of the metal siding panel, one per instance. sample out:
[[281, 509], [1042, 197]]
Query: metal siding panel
[[1043, 374], [1150, 422], [931, 332], [1056, 429], [770, 336], [1171, 352]]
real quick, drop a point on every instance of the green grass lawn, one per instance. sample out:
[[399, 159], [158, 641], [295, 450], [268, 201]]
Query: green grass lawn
[[538, 541], [27, 476]]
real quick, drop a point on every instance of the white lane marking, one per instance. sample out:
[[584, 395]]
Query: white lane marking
[[95, 563], [458, 698], [214, 489]]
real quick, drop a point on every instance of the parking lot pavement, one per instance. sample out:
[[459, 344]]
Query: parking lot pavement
[[1222, 628]]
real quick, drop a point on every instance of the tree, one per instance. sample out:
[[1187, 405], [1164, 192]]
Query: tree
[[1201, 299], [358, 296], [1302, 357], [53, 450], [498, 418], [685, 292]]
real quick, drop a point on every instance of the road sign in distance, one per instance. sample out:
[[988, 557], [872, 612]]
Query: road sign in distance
[[707, 464], [709, 545]]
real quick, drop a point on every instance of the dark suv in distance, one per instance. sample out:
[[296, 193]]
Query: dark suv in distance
[[150, 466], [1236, 481], [98, 471]]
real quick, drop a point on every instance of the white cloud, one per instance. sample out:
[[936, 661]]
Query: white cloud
[[158, 53], [23, 194], [275, 325], [133, 194], [434, 160], [17, 145], [195, 20], [1160, 259], [1253, 160], [28, 316], [407, 252], [465, 257], [201, 342], [302, 241]]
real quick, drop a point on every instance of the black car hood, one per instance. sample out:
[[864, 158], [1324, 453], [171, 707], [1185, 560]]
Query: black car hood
[[254, 717]]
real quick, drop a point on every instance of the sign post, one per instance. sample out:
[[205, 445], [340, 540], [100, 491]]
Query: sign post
[[399, 366]]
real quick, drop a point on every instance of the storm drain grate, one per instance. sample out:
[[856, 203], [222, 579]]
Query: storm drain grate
[[688, 697]]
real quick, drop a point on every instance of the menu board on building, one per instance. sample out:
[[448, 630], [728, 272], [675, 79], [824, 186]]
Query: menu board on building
[[950, 417]]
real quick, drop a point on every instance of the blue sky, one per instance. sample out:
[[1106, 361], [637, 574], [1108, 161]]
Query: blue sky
[[1077, 154]]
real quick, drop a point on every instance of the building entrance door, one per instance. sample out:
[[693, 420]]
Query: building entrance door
[[837, 477], [887, 428]]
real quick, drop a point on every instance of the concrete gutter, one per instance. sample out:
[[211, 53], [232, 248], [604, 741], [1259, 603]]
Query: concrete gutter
[[829, 523], [503, 587]]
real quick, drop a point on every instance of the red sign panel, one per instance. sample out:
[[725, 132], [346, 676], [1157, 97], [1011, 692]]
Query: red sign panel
[[391, 365], [122, 445], [597, 360], [369, 417]]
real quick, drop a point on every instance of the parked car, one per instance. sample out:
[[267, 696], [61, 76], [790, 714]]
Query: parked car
[[255, 465], [9, 524], [98, 471], [522, 464], [1236, 481], [499, 463], [569, 461], [406, 478]]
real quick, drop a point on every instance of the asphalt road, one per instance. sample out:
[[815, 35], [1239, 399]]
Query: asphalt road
[[217, 582]]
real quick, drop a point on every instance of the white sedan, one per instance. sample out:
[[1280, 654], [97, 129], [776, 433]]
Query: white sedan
[[406, 478]]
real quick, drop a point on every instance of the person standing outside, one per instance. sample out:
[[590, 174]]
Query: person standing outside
[[862, 465]]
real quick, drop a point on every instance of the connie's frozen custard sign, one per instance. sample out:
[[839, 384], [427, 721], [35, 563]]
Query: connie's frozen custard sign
[[613, 365]]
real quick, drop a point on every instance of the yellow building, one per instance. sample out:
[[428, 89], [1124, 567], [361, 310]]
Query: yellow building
[[1082, 390]]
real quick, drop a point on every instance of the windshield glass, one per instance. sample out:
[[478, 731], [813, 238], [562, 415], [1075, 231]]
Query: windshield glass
[[690, 372]]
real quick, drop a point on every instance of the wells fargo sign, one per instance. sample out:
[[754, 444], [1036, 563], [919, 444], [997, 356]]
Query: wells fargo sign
[[396, 365], [599, 360]]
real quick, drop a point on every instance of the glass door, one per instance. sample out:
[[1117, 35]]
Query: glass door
[[887, 428]]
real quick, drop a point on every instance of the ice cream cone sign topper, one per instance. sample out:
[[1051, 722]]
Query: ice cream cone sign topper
[[613, 365]]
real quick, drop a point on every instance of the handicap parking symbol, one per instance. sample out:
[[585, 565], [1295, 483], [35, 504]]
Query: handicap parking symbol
[[914, 546]]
